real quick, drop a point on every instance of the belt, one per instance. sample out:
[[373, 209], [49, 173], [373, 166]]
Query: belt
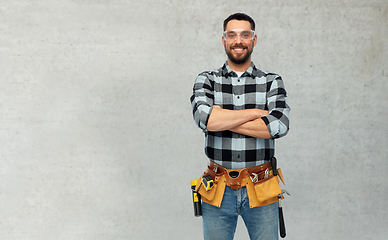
[[235, 177]]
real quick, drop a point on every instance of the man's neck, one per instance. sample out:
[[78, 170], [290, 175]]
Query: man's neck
[[239, 67]]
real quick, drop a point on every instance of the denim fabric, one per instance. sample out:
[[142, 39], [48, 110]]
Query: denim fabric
[[220, 223]]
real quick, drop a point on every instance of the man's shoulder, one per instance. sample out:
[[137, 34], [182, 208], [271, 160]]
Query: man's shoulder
[[217, 72], [270, 76]]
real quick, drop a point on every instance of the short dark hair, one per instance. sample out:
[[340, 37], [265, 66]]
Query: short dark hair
[[240, 17]]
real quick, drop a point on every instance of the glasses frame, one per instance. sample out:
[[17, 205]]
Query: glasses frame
[[238, 32]]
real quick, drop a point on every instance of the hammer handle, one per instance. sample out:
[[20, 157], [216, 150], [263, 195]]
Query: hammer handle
[[274, 166], [282, 226]]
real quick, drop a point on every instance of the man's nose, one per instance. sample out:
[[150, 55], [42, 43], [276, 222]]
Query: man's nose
[[238, 38]]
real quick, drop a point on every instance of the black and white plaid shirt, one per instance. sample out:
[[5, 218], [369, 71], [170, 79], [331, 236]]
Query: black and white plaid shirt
[[254, 89]]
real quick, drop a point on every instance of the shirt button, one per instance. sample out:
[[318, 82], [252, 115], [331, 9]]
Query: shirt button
[[238, 97], [238, 156]]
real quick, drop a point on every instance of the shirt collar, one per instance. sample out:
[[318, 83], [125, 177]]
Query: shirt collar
[[227, 71]]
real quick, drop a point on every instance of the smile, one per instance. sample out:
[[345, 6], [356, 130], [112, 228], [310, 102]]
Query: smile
[[239, 50]]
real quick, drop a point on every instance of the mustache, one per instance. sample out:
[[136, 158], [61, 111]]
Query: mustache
[[239, 46]]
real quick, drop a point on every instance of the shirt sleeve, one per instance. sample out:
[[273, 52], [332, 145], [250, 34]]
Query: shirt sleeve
[[202, 100], [278, 119]]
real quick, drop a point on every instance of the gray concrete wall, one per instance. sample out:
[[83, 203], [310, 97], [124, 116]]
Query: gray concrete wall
[[96, 133]]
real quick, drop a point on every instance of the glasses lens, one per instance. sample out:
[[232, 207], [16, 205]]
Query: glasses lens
[[244, 35], [230, 35]]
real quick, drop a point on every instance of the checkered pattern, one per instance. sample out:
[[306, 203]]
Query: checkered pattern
[[254, 89]]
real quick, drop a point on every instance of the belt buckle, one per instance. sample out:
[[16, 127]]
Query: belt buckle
[[233, 184]]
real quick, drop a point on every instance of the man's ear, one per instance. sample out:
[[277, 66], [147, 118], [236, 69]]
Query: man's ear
[[223, 41], [255, 40]]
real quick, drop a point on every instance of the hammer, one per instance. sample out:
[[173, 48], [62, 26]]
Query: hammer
[[282, 226]]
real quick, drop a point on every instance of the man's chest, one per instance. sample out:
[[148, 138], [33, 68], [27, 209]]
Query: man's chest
[[240, 93]]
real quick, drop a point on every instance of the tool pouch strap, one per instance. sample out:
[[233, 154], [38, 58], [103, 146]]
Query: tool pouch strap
[[235, 177]]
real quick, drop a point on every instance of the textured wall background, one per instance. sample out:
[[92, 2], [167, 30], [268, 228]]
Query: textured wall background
[[96, 133]]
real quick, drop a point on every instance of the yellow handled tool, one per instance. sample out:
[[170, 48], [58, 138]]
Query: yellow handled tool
[[196, 200]]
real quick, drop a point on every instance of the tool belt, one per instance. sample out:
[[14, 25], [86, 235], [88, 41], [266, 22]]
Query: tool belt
[[262, 185]]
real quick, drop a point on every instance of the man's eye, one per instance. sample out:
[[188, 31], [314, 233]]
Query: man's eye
[[231, 35], [245, 34]]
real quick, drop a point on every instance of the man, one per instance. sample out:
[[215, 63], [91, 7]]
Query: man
[[241, 110]]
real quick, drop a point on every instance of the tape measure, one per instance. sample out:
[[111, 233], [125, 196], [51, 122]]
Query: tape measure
[[207, 182]]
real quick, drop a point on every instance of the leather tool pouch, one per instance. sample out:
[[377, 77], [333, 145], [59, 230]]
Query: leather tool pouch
[[264, 191], [260, 193], [215, 195]]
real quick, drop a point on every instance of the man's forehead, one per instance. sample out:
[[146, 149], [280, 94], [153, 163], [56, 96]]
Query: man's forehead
[[238, 30], [238, 24]]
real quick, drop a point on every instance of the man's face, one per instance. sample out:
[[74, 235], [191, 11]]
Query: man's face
[[239, 51]]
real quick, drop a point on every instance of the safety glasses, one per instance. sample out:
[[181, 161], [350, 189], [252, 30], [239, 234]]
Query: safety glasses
[[245, 35]]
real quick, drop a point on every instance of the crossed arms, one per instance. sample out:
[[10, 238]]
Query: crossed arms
[[247, 121], [254, 122]]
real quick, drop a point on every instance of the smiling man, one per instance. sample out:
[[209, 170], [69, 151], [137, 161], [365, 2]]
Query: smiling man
[[241, 110], [239, 49]]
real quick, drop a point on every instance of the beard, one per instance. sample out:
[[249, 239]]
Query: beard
[[240, 59]]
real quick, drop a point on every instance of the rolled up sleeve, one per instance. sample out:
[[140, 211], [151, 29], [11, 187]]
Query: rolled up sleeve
[[202, 100], [279, 111]]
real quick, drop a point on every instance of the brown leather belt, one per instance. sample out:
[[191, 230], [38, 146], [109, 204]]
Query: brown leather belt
[[235, 177]]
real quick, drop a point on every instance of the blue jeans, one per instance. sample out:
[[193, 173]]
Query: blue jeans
[[220, 223]]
